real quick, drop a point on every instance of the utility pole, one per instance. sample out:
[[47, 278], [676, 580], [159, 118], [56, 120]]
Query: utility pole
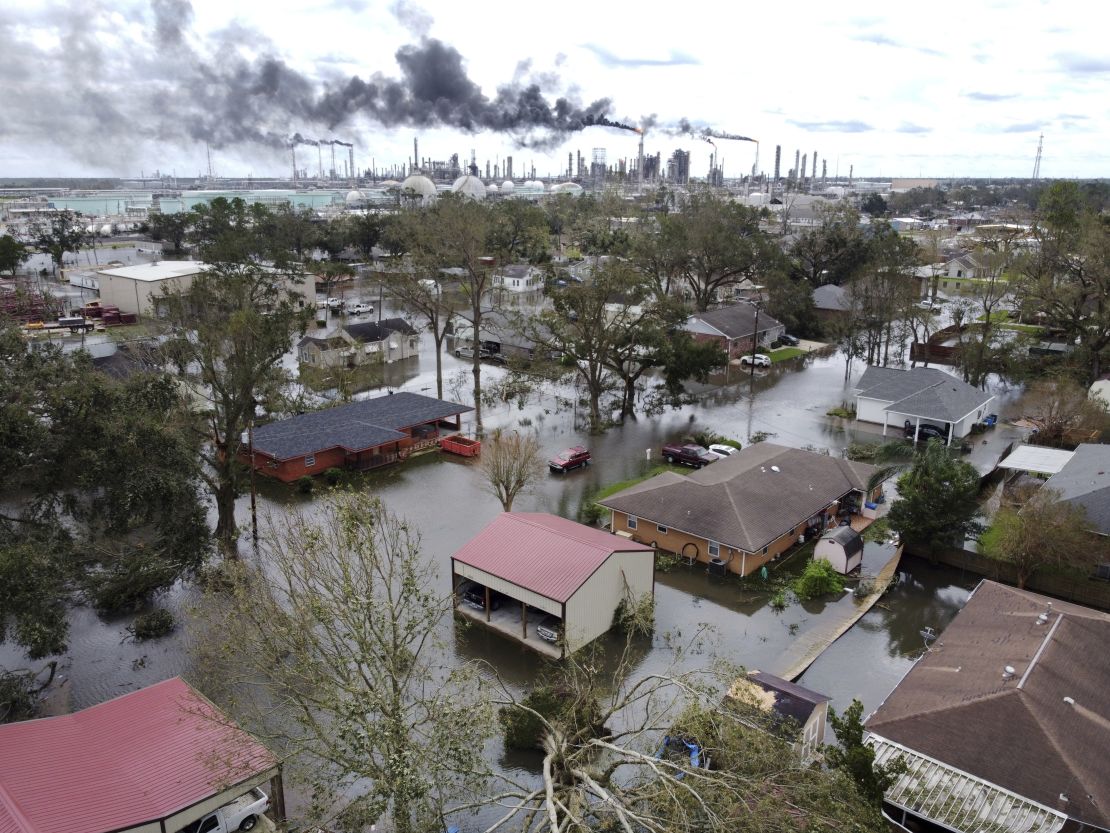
[[755, 342], [250, 450]]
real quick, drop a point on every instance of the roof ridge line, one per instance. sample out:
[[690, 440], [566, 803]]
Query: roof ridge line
[[1060, 751], [947, 706], [519, 516]]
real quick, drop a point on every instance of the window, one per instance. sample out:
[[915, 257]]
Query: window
[[959, 273], [631, 522], [662, 529], [309, 461], [714, 549], [210, 823], [944, 284], [764, 550]]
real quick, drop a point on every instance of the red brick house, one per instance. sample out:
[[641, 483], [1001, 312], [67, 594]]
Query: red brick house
[[733, 328], [361, 435]]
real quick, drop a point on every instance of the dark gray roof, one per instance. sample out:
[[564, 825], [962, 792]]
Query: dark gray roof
[[832, 297], [922, 391], [1042, 731], [791, 700], [355, 427], [741, 501], [1085, 481], [373, 331], [333, 341], [736, 321], [847, 537]]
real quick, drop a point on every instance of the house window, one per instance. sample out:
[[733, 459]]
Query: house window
[[959, 273], [944, 284], [764, 550], [662, 529], [631, 521], [714, 549], [309, 461]]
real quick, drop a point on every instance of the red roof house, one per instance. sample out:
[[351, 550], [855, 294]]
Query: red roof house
[[537, 566], [156, 759]]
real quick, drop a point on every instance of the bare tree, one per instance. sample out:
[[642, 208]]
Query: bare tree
[[1063, 411], [510, 462], [330, 650]]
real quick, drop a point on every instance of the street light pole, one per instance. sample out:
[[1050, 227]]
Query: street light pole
[[755, 339]]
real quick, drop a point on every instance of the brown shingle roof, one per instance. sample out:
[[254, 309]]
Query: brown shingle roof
[[1019, 733], [741, 501]]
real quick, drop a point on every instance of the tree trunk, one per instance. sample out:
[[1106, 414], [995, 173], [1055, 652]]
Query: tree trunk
[[226, 531], [439, 364], [476, 368]]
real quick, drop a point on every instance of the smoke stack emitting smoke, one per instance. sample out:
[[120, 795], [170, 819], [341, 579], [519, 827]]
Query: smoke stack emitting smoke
[[225, 98]]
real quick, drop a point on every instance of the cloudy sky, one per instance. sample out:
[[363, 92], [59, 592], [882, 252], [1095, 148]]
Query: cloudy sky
[[930, 89]]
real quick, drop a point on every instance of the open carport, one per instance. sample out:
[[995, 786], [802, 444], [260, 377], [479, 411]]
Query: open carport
[[541, 564]]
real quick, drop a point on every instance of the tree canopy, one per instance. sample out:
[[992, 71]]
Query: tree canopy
[[937, 501]]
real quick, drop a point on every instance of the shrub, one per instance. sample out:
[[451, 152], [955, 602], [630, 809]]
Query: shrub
[[762, 436], [778, 601], [635, 616], [665, 561], [843, 411], [818, 579], [152, 625], [17, 696], [332, 476], [305, 485]]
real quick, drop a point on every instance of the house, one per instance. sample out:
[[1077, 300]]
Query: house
[[733, 328], [794, 706], [1004, 722], [138, 289], [1036, 459], [500, 334], [361, 435], [156, 759], [965, 265], [518, 277], [745, 510], [544, 565], [374, 341], [832, 302], [1084, 482], [842, 547], [920, 395]]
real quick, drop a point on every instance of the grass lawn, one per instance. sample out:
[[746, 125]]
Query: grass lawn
[[785, 353], [613, 488], [354, 379]]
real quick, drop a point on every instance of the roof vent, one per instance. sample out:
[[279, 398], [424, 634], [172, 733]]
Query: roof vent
[[775, 468], [1008, 672], [1070, 701], [1042, 619]]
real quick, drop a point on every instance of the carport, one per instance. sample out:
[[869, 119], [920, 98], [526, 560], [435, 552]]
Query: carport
[[543, 564], [152, 761]]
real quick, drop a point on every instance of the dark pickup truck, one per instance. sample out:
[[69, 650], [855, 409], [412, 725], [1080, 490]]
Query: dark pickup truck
[[688, 455]]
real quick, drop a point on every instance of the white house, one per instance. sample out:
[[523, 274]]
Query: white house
[[537, 566], [920, 396], [519, 277], [963, 266]]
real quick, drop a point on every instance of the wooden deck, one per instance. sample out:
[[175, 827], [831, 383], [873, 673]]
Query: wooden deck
[[802, 652]]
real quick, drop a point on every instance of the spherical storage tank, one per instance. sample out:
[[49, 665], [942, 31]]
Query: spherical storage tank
[[106, 230], [492, 188], [572, 188], [507, 187], [469, 186], [419, 186], [355, 198]]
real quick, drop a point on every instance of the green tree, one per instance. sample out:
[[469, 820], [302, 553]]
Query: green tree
[[332, 648], [101, 479], [57, 233], [873, 204], [1044, 533], [937, 501], [856, 759], [12, 254], [832, 252], [364, 232], [227, 334], [172, 227]]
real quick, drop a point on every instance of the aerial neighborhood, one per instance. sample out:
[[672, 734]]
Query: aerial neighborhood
[[565, 483]]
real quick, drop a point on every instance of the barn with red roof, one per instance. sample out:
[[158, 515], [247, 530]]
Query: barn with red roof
[[530, 575], [152, 761]]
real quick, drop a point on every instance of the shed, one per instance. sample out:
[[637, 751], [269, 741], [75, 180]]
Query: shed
[[842, 547], [794, 707], [541, 565], [151, 761]]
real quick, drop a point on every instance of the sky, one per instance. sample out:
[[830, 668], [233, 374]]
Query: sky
[[940, 89]]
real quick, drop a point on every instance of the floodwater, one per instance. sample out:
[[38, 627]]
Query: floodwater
[[443, 497]]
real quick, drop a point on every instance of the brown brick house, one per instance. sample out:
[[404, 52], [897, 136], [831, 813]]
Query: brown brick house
[[744, 510], [361, 435], [733, 327]]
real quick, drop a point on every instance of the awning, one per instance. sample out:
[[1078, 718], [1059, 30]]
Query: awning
[[1037, 459], [958, 800]]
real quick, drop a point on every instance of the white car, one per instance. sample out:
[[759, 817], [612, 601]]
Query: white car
[[723, 451], [759, 360], [360, 308]]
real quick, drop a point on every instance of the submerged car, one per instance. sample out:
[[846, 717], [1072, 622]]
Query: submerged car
[[474, 595], [925, 431], [572, 458], [360, 308]]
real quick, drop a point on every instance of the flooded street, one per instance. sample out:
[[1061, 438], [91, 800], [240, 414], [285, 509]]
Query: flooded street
[[443, 497]]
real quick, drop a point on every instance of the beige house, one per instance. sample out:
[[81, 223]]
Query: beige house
[[533, 576], [136, 289], [745, 510], [356, 344]]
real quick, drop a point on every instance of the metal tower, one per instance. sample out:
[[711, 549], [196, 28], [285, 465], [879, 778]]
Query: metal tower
[[1037, 163]]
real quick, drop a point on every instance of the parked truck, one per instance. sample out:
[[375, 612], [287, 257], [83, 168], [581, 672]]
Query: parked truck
[[241, 814]]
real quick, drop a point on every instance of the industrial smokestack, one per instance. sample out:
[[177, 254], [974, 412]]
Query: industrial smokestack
[[802, 177], [797, 162], [824, 171], [293, 150], [814, 177], [851, 170], [415, 154], [351, 153], [778, 162]]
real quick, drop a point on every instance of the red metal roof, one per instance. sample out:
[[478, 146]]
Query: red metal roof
[[543, 553], [138, 758]]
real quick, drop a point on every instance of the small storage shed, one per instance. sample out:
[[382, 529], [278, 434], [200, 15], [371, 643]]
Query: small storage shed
[[794, 706], [152, 761], [543, 565], [842, 547]]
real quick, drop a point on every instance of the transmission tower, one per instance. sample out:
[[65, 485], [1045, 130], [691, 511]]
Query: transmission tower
[[1037, 163]]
